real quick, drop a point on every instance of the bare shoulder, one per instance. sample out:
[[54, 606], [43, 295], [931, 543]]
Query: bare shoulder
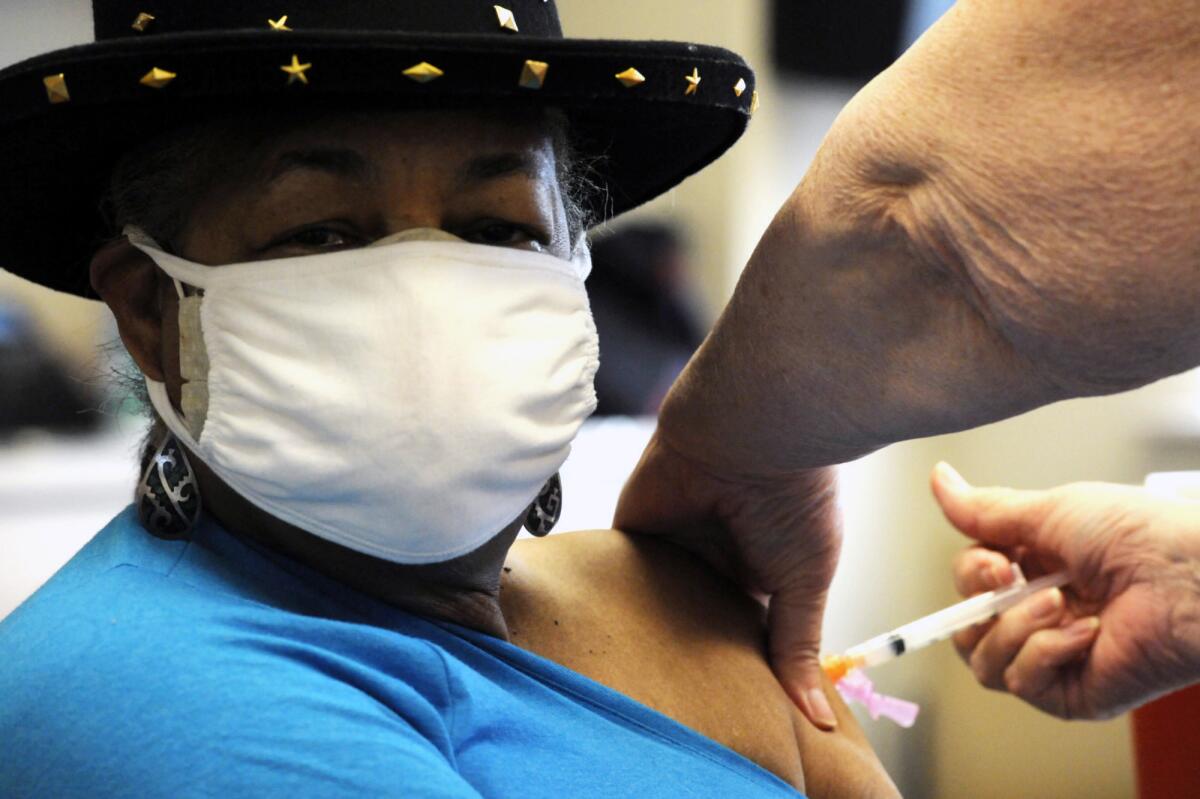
[[655, 623], [634, 583]]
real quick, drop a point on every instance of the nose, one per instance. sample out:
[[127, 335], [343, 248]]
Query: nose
[[412, 211], [415, 234]]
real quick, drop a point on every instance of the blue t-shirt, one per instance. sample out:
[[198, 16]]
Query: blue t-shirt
[[211, 668]]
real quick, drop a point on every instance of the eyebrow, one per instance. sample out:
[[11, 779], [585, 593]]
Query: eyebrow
[[493, 166]]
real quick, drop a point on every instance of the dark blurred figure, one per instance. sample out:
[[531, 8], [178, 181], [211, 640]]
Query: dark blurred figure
[[847, 40], [36, 391], [647, 328]]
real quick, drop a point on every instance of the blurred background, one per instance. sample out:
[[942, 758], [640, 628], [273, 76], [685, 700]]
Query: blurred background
[[68, 437]]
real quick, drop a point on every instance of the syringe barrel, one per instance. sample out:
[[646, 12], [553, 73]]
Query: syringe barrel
[[879, 649], [943, 624]]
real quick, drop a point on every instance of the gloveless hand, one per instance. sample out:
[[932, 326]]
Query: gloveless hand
[[1123, 631], [778, 537]]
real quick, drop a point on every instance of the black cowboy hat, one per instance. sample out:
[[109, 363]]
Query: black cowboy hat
[[652, 112]]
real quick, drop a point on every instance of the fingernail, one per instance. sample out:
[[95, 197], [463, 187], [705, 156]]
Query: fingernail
[[819, 710], [1083, 628], [951, 478], [1046, 604]]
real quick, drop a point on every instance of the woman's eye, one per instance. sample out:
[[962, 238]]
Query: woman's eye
[[320, 238], [313, 238], [502, 233]]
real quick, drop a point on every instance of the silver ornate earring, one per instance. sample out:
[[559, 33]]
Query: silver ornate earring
[[546, 509], [168, 499]]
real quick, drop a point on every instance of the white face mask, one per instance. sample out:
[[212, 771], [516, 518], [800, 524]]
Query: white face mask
[[407, 400]]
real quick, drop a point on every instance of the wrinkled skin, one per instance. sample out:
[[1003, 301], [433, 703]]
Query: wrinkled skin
[[1127, 627]]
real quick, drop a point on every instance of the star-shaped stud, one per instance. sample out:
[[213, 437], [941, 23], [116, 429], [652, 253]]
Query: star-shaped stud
[[693, 81], [279, 24], [533, 74], [157, 78], [142, 21], [295, 71], [630, 78], [423, 72], [56, 88], [506, 18], [739, 87]]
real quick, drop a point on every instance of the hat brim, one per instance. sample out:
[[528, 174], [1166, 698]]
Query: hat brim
[[57, 156]]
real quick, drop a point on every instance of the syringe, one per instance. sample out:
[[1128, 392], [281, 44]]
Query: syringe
[[937, 626]]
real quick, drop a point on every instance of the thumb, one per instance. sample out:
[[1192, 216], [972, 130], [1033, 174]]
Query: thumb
[[794, 631], [996, 517]]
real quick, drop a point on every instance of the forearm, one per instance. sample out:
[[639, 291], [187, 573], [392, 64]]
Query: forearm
[[1004, 218]]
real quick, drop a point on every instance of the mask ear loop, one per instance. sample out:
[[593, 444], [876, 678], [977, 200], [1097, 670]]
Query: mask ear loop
[[184, 290], [138, 236]]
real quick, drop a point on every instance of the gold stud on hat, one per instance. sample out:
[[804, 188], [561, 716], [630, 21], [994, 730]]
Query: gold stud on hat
[[279, 24], [157, 78], [142, 21], [506, 18], [753, 102], [533, 74], [693, 81], [630, 78], [56, 88], [739, 87], [295, 71], [423, 72]]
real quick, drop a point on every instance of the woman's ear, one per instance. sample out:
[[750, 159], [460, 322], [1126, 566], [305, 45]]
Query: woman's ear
[[128, 282]]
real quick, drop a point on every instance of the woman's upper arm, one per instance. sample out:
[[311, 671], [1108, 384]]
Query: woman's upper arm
[[835, 764], [841, 763], [655, 623]]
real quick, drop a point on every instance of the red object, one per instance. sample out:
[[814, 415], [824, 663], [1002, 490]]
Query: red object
[[1166, 746]]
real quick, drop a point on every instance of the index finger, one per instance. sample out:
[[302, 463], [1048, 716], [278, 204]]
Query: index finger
[[977, 569]]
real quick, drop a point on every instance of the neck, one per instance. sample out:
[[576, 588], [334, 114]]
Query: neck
[[464, 591]]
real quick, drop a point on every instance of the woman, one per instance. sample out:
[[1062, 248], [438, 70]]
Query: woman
[[360, 315]]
